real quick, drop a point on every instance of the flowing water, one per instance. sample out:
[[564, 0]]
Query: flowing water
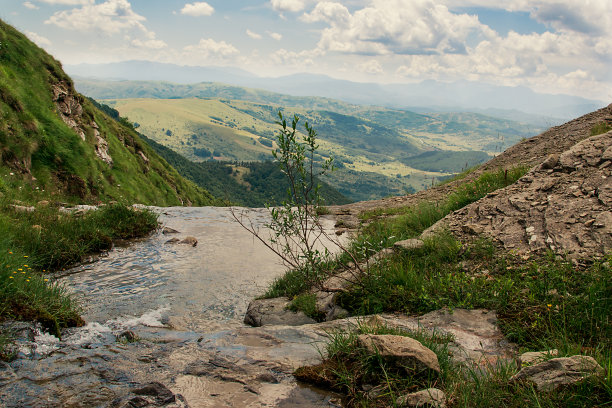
[[185, 304]]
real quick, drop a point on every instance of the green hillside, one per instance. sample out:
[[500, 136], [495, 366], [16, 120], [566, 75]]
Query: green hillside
[[54, 143], [252, 184], [224, 130]]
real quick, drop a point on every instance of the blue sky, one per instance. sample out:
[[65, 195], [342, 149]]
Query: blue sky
[[554, 46]]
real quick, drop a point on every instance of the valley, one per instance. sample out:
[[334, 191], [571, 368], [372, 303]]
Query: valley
[[378, 151]]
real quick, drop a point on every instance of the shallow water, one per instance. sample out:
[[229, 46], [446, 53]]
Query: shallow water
[[202, 288], [186, 305]]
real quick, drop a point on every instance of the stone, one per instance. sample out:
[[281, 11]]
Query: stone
[[532, 357], [264, 312], [409, 244], [550, 162], [168, 230], [607, 154], [127, 336], [552, 374], [173, 241], [22, 208], [431, 397], [473, 229], [157, 390], [403, 352], [101, 149], [189, 241]]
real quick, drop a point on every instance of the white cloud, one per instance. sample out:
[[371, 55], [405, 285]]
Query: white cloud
[[151, 44], [110, 17], [198, 9], [30, 5], [395, 27], [333, 13], [38, 39], [288, 5], [209, 48], [253, 35], [291, 58], [371, 67], [275, 36]]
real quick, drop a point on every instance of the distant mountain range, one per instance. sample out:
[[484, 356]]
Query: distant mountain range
[[516, 103]]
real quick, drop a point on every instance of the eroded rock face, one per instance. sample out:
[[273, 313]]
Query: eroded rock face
[[68, 104], [402, 352], [101, 148], [563, 205], [69, 107], [552, 374]]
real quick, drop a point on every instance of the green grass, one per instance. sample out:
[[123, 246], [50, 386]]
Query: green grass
[[542, 304], [600, 128], [307, 303], [352, 370], [33, 245], [408, 222]]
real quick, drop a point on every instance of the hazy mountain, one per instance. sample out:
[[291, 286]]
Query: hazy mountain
[[433, 95]]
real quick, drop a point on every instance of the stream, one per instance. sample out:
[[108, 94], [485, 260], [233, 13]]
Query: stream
[[171, 315]]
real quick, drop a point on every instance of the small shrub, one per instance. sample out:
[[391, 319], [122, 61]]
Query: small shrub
[[600, 128]]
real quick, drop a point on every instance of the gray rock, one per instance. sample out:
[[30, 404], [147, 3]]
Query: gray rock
[[550, 162], [431, 397], [22, 208], [550, 375], [189, 241], [409, 244], [168, 230], [264, 312], [403, 352]]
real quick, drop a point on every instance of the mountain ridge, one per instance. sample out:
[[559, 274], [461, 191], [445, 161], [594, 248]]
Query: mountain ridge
[[428, 93]]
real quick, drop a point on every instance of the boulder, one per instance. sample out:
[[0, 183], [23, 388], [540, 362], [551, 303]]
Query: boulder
[[403, 352], [168, 230], [552, 374], [431, 397], [263, 312]]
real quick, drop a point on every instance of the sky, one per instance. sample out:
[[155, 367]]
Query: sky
[[550, 46]]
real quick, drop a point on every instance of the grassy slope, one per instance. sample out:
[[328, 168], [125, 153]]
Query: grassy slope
[[252, 184], [36, 142]]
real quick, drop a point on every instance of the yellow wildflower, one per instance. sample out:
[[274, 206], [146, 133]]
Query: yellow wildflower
[[10, 277]]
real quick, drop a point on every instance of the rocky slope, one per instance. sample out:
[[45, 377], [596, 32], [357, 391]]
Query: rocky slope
[[562, 204], [53, 139]]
